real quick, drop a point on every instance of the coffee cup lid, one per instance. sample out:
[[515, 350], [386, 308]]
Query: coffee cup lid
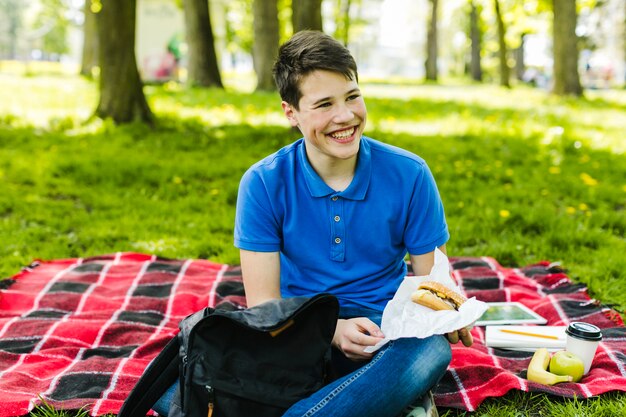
[[584, 331]]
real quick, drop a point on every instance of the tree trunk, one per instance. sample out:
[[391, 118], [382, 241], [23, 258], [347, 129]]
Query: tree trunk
[[89, 58], [345, 15], [202, 68], [520, 64], [13, 30], [476, 44], [12, 13], [431, 43], [342, 21], [505, 71], [266, 37], [566, 78], [121, 89], [306, 14]]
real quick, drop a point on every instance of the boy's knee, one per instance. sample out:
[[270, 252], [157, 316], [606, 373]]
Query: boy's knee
[[442, 347], [430, 359], [432, 355]]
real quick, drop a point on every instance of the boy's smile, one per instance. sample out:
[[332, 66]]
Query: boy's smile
[[331, 117]]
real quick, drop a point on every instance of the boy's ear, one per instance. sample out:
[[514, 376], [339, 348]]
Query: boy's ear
[[289, 113]]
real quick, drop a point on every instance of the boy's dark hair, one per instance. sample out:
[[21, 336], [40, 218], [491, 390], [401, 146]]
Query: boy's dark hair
[[305, 52]]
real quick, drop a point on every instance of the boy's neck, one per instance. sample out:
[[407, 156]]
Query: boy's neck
[[336, 173]]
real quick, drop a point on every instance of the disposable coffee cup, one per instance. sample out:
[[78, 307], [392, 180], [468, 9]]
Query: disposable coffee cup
[[582, 340]]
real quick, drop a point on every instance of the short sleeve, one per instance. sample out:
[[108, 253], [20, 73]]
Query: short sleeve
[[426, 224], [256, 225]]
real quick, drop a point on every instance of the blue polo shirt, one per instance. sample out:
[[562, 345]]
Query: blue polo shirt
[[351, 243]]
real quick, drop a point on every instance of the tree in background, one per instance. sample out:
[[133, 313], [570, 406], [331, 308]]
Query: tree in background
[[306, 14], [475, 42], [342, 21], [266, 38], [505, 71], [51, 28], [431, 42], [89, 58], [520, 57], [237, 28], [202, 68], [11, 12], [566, 77], [121, 89]]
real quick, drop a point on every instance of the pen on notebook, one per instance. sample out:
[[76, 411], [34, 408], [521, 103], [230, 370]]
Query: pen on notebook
[[545, 336]]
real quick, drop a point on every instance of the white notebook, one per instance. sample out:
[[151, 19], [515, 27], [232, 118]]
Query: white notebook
[[534, 337]]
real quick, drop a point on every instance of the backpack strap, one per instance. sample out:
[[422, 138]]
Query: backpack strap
[[160, 374]]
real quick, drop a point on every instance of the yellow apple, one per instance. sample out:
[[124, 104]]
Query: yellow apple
[[567, 363]]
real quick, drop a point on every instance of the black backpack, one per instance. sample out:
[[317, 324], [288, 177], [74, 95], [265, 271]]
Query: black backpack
[[242, 363]]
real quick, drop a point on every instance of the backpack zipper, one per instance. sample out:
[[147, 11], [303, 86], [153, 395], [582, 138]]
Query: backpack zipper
[[211, 393]]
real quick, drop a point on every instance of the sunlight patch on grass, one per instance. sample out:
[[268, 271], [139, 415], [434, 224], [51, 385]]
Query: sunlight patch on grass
[[159, 245], [38, 68], [225, 114], [523, 110], [43, 100]]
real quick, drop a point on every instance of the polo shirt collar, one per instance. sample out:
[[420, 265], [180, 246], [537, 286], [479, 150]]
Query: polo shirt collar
[[357, 188]]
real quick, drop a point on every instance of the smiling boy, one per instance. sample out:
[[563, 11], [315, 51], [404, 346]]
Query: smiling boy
[[337, 212]]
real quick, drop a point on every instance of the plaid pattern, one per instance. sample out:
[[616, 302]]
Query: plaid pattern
[[480, 372], [80, 332]]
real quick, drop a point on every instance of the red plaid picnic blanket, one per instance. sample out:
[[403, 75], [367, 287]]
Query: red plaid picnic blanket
[[480, 372], [79, 332]]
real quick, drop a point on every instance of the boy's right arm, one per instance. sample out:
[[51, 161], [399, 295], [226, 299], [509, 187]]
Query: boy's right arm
[[261, 276]]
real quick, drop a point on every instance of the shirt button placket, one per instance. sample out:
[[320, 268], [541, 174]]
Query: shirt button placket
[[337, 228]]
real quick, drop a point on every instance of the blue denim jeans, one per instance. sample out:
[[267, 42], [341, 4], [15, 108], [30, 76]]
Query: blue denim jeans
[[399, 373]]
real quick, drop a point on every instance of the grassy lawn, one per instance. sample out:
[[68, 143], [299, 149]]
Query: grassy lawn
[[524, 177]]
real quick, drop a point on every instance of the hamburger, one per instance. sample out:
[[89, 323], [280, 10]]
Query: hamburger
[[437, 296]]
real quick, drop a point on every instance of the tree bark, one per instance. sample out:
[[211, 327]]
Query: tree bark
[[12, 11], [266, 37], [476, 44], [520, 64], [431, 43], [121, 89], [90, 53], [306, 14], [566, 77], [202, 68], [505, 71], [345, 16]]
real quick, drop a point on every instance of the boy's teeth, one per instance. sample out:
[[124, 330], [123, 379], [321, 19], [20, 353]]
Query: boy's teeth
[[343, 134]]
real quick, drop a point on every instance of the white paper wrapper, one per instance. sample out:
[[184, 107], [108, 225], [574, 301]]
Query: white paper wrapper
[[404, 318]]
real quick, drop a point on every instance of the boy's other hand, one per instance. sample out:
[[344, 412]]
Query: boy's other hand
[[462, 334], [354, 335]]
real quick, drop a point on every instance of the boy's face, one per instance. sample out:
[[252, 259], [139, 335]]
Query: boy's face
[[331, 116]]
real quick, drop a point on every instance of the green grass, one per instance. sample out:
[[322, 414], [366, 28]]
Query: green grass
[[524, 177]]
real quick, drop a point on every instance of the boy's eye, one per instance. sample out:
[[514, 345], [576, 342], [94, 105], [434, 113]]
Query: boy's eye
[[325, 104], [354, 96]]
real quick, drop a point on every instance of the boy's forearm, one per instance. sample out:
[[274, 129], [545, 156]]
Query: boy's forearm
[[261, 276]]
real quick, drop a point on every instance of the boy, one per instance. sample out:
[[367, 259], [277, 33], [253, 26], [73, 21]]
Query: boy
[[337, 212]]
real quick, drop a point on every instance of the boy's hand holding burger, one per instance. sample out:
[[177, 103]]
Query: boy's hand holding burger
[[437, 296]]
